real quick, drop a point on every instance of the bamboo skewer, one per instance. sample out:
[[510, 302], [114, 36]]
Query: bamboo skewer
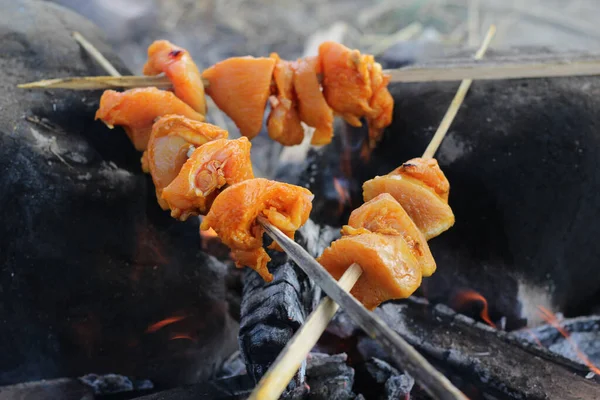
[[96, 55], [457, 100], [274, 382], [586, 65]]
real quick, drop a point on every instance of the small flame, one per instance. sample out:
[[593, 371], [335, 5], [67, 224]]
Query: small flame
[[365, 152], [468, 296], [343, 194], [552, 320], [534, 337], [164, 322], [182, 336]]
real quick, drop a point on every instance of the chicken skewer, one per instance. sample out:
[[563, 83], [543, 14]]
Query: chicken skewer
[[289, 360]]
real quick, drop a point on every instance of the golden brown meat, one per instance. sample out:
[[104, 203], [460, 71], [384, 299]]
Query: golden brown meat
[[283, 123], [428, 171], [384, 215], [209, 169], [137, 109], [177, 64], [240, 87], [381, 103], [346, 81], [314, 110], [234, 212], [424, 206], [390, 270], [171, 139]]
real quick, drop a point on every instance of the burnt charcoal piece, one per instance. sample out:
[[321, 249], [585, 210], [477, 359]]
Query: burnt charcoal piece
[[329, 377], [113, 383], [62, 388], [521, 158], [584, 332], [492, 360], [272, 312], [380, 380], [233, 388], [89, 260]]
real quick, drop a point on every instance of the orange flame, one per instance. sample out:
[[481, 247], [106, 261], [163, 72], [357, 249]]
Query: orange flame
[[468, 296], [534, 337], [343, 195], [365, 152], [182, 336], [164, 322], [552, 320]]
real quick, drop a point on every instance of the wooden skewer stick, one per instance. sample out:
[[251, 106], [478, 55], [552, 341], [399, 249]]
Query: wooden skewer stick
[[274, 382], [457, 100], [552, 66], [95, 54]]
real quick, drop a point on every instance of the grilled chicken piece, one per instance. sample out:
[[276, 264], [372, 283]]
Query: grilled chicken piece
[[314, 110], [170, 142], [234, 212], [384, 215], [240, 87], [210, 167], [390, 270], [137, 109], [428, 171], [346, 81], [430, 212], [381, 103], [177, 64], [283, 123]]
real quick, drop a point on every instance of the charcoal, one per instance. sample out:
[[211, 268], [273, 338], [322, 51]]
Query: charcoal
[[329, 377], [232, 388], [380, 371], [380, 380], [398, 386], [272, 312], [89, 260], [493, 360], [61, 388], [114, 383], [584, 332]]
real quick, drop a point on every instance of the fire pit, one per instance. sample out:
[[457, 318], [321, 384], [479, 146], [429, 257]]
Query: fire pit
[[103, 295]]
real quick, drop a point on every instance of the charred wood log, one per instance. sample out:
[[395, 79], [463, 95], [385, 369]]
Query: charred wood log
[[497, 363], [272, 312]]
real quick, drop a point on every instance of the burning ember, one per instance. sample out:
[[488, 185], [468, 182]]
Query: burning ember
[[341, 187], [467, 297], [164, 322], [553, 320]]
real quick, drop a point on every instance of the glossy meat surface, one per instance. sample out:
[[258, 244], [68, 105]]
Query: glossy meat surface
[[381, 103], [177, 64], [427, 209], [428, 171], [240, 87], [384, 215], [137, 109], [390, 270], [314, 110], [210, 167], [283, 123], [346, 81], [171, 139], [234, 212]]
